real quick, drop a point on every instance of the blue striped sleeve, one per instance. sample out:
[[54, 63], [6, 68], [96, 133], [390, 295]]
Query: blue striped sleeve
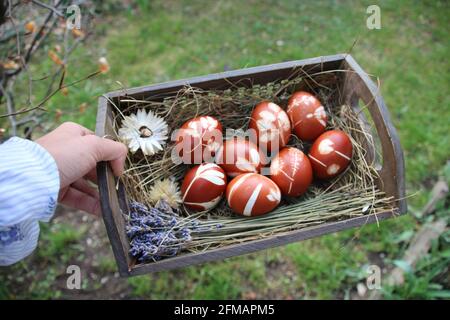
[[29, 186]]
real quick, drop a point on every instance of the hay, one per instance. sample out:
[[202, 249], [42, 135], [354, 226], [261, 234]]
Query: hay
[[353, 193]]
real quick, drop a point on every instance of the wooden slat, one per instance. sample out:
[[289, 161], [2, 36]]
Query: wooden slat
[[260, 75], [253, 246], [359, 85], [112, 214]]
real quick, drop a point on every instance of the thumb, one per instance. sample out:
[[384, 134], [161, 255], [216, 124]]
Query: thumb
[[108, 150]]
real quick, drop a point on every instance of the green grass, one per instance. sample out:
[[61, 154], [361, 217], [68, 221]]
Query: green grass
[[224, 280], [173, 40], [106, 264]]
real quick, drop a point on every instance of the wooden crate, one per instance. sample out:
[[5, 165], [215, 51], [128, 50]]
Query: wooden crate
[[356, 85]]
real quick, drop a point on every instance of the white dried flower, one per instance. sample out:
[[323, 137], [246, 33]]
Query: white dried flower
[[144, 131], [166, 189]]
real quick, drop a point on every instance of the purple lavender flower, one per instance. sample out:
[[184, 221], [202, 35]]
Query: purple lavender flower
[[138, 207]]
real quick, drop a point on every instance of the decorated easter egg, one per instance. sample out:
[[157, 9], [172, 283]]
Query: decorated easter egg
[[330, 154], [198, 140], [271, 124], [238, 155], [308, 117], [291, 171], [252, 194], [203, 186]]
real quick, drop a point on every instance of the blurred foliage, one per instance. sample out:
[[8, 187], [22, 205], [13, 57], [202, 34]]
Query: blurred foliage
[[37, 277]]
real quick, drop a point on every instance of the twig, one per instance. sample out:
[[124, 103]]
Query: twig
[[10, 108], [67, 52], [39, 37], [49, 7], [30, 118], [40, 104], [419, 247], [23, 50]]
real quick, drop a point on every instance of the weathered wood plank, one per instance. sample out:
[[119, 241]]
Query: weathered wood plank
[[393, 167]]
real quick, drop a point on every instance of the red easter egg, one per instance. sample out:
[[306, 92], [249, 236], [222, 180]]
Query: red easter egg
[[238, 155], [203, 186], [271, 124], [308, 117], [252, 194], [198, 139], [291, 171], [330, 154]]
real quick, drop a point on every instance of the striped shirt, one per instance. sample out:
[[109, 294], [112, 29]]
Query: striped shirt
[[29, 186]]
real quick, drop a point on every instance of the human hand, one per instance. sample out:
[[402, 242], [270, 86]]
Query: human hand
[[76, 151]]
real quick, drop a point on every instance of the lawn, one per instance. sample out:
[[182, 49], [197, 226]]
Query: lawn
[[170, 40]]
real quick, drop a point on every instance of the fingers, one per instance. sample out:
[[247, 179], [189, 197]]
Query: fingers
[[84, 186], [108, 150], [79, 200]]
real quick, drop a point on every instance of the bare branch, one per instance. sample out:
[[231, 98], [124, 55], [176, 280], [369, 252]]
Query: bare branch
[[40, 104], [49, 7], [10, 108], [20, 47], [45, 29]]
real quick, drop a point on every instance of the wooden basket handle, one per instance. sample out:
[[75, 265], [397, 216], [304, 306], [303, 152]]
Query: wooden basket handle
[[111, 198], [360, 86]]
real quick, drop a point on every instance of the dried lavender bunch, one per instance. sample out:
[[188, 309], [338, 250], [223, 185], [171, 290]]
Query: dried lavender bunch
[[157, 232]]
